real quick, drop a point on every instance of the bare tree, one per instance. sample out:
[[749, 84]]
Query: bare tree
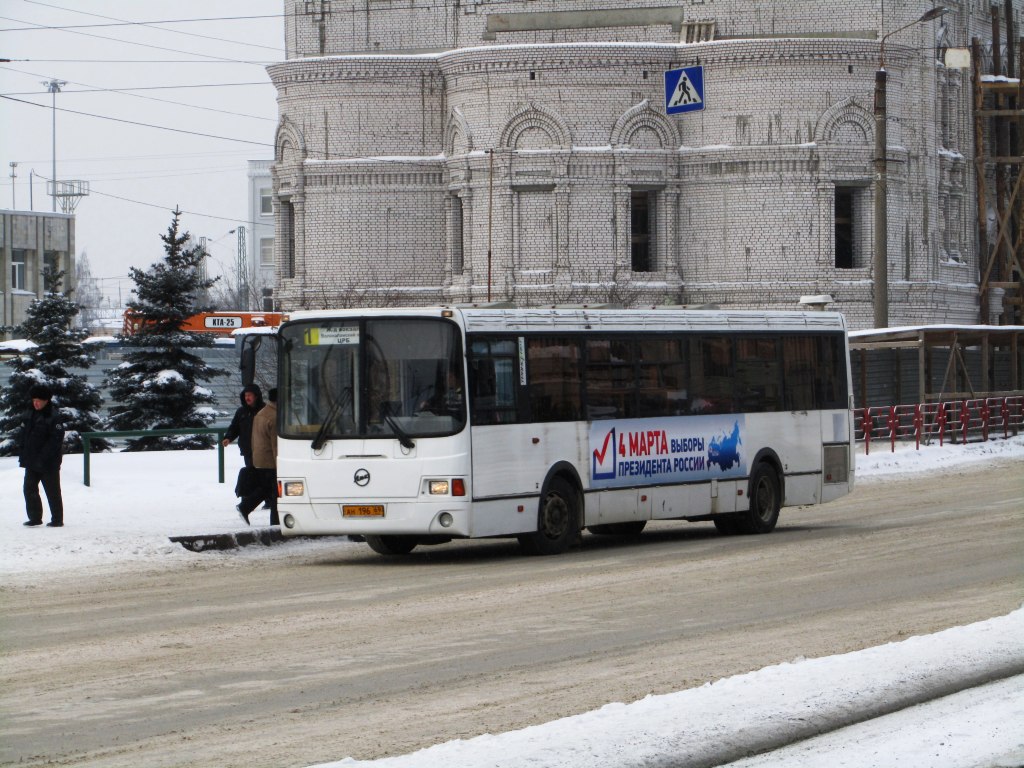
[[227, 295], [88, 295]]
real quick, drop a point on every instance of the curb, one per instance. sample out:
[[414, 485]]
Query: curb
[[224, 541]]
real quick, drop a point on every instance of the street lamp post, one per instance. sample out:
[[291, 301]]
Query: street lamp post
[[881, 253], [54, 86]]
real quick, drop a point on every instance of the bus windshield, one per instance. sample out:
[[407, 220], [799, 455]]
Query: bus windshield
[[371, 378]]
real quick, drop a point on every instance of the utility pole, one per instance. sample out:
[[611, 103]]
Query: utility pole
[[54, 86], [881, 233], [14, 175], [242, 271]]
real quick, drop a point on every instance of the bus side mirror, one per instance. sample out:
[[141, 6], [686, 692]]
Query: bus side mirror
[[247, 360]]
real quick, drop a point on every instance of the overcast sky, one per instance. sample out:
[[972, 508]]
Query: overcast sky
[[195, 66]]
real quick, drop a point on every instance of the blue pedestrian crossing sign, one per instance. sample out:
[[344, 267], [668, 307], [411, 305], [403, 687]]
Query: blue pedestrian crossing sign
[[684, 90]]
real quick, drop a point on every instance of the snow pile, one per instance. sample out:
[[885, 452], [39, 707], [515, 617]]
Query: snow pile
[[760, 711]]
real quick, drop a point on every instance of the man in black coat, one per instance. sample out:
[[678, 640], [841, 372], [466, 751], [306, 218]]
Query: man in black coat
[[41, 445], [240, 428]]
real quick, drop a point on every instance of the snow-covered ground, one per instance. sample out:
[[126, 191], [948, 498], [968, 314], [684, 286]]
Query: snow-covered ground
[[137, 500]]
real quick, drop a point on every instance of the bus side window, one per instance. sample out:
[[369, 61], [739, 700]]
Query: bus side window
[[662, 377], [483, 379], [555, 379], [830, 383], [799, 363], [758, 379], [713, 374], [492, 382], [610, 378]]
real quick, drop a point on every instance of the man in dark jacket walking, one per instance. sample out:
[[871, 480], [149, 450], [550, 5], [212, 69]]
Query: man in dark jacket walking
[[41, 447], [264, 457], [240, 428]]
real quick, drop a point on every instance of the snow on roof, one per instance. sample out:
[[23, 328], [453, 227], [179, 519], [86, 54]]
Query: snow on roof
[[17, 345], [939, 327]]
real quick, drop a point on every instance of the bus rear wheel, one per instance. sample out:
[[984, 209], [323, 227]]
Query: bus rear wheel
[[558, 526], [765, 501], [392, 545]]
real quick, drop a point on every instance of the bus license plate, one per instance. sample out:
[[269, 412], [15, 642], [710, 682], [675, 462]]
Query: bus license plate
[[362, 510]]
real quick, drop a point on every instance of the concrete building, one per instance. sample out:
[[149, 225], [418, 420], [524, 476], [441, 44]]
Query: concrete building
[[260, 243], [520, 150], [32, 241]]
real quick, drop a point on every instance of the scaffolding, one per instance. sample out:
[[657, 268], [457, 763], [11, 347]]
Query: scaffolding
[[932, 363], [67, 193], [998, 134]]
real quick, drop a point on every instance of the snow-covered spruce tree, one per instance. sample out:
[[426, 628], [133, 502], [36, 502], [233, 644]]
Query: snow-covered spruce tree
[[159, 384], [57, 347]]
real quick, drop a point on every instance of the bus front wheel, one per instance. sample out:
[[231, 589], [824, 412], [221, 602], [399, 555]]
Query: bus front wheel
[[558, 521], [765, 501], [392, 545]]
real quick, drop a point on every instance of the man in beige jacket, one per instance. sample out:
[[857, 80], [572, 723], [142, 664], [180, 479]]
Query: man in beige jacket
[[264, 459]]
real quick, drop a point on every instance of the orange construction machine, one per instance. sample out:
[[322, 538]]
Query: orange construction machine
[[219, 323]]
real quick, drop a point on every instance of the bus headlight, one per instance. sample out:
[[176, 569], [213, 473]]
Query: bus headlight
[[294, 488], [438, 487]]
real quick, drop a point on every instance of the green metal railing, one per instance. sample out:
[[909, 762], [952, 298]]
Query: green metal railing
[[87, 437]]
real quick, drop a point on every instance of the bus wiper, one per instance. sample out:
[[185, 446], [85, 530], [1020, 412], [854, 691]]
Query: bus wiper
[[403, 436], [336, 409]]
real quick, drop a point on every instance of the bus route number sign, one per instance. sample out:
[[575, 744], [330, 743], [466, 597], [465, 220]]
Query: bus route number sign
[[344, 335]]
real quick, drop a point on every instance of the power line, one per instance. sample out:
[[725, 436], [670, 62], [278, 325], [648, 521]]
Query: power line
[[142, 45], [145, 175], [129, 90], [312, 155], [152, 25], [170, 208], [149, 175], [414, 5], [134, 158], [63, 27], [143, 61], [123, 92], [143, 125], [233, 219]]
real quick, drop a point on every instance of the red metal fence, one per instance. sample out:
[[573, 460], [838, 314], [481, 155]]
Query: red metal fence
[[958, 421]]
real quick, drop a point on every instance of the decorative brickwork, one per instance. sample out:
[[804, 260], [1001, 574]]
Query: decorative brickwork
[[519, 150]]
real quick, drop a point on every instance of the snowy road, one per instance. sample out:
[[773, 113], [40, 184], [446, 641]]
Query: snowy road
[[309, 652]]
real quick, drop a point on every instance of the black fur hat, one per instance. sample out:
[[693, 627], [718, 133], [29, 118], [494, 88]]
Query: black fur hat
[[40, 392]]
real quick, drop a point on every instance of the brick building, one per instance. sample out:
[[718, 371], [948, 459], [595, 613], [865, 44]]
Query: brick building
[[520, 150]]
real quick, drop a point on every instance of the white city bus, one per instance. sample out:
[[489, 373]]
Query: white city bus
[[419, 426]]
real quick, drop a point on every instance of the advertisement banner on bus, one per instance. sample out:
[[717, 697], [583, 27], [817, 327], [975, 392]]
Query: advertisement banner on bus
[[671, 450]]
